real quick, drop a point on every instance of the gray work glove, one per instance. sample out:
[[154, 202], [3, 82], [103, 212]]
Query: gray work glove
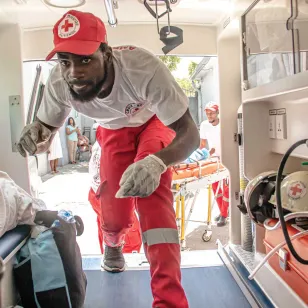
[[34, 139], [141, 178]]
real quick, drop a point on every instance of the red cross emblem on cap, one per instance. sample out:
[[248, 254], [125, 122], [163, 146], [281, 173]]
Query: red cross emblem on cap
[[296, 190], [67, 25]]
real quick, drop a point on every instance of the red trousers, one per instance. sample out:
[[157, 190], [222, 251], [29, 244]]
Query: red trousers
[[222, 197], [121, 148], [132, 238]]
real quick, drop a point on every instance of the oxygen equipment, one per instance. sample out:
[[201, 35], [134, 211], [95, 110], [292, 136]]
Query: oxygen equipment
[[275, 195]]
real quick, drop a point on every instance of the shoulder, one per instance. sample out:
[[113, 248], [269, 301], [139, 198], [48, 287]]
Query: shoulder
[[205, 124], [135, 57], [56, 83]]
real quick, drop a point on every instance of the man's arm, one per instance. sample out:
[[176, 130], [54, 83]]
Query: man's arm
[[203, 143], [185, 142], [36, 137]]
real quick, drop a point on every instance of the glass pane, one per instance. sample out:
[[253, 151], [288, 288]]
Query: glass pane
[[301, 26], [269, 47]]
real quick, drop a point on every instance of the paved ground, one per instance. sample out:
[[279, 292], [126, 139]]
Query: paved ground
[[69, 190]]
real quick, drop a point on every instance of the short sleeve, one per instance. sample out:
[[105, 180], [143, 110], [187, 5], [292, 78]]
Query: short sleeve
[[54, 108], [167, 99], [203, 130]]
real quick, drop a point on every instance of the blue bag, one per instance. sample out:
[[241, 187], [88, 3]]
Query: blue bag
[[48, 271]]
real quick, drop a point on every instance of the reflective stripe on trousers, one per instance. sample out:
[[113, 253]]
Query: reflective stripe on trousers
[[160, 236]]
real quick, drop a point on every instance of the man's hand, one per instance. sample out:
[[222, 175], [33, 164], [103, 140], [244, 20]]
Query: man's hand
[[35, 138], [212, 151], [142, 178]]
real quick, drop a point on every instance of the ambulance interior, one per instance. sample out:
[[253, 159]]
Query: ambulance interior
[[262, 87]]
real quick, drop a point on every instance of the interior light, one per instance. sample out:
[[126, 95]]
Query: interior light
[[66, 4]]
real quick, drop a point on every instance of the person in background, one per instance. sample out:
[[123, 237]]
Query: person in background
[[54, 153], [72, 139], [83, 143], [210, 138]]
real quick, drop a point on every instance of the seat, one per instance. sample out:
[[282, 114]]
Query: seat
[[10, 243], [12, 239], [81, 153]]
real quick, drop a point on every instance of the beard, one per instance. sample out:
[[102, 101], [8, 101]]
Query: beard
[[92, 93]]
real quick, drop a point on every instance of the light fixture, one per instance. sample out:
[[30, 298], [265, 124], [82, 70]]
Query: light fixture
[[65, 4]]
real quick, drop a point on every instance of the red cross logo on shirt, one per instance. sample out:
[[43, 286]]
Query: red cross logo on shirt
[[67, 25], [297, 190]]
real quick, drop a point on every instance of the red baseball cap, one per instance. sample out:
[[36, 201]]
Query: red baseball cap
[[212, 106], [79, 33]]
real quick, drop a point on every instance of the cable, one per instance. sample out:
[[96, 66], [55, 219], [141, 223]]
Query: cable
[[286, 218], [278, 200], [273, 251]]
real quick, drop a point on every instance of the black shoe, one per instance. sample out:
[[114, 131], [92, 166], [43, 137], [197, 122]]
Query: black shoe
[[114, 261], [222, 221], [217, 218]]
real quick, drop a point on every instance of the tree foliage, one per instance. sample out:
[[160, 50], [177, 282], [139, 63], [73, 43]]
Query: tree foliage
[[191, 68], [171, 62], [185, 84]]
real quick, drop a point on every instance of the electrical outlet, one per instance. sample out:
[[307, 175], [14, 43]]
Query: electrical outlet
[[272, 127], [281, 126]]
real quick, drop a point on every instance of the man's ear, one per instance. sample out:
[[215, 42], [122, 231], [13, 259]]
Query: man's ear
[[108, 54]]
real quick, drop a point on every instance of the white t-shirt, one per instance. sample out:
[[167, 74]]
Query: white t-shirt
[[143, 87], [212, 134]]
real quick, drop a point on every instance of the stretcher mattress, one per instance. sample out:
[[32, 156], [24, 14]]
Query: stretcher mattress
[[296, 275], [196, 170]]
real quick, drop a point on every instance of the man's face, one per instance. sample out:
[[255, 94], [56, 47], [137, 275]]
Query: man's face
[[211, 115], [85, 75]]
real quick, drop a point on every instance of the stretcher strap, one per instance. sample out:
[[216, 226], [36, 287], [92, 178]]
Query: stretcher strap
[[225, 199], [160, 236]]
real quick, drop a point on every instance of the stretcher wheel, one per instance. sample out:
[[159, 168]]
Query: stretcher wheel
[[206, 236]]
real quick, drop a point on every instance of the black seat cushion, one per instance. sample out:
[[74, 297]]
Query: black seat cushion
[[11, 239]]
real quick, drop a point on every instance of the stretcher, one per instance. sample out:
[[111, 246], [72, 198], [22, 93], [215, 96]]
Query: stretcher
[[188, 180]]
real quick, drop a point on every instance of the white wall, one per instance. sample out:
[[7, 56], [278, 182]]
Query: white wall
[[230, 100], [11, 84], [209, 85], [198, 40]]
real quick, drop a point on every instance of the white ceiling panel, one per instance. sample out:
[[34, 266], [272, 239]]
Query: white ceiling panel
[[36, 14]]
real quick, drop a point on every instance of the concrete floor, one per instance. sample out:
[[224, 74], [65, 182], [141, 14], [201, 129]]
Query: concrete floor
[[69, 190]]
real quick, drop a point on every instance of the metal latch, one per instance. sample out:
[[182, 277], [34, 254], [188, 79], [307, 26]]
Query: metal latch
[[283, 259]]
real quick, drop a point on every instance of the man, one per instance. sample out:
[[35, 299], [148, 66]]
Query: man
[[146, 127], [210, 138]]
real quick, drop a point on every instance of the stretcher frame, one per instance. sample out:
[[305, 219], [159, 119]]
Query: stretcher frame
[[184, 187]]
